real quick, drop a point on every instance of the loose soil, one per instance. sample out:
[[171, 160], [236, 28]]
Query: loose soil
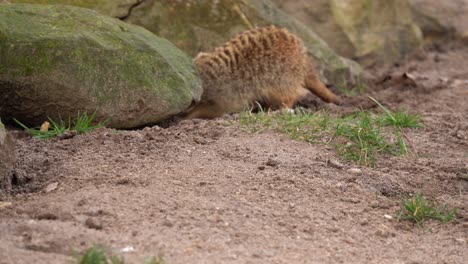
[[205, 191]]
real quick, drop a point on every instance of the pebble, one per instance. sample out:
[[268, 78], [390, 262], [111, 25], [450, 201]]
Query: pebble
[[272, 163], [389, 217], [461, 134], [51, 187], [93, 224], [46, 216], [335, 164], [5, 205], [355, 171]]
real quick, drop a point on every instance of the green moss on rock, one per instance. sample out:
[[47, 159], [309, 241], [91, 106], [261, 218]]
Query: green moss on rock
[[64, 59], [201, 25]]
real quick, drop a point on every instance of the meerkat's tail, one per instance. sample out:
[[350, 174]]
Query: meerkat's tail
[[317, 87]]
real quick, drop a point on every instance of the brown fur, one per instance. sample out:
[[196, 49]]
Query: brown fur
[[267, 65]]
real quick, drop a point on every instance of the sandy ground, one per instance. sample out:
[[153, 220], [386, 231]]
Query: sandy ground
[[206, 192]]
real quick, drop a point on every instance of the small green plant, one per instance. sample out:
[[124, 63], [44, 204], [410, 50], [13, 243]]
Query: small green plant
[[82, 124], [97, 255], [418, 209], [398, 119], [358, 137], [300, 125], [365, 138], [356, 90]]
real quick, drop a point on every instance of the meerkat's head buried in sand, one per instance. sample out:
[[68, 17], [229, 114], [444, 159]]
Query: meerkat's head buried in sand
[[268, 65]]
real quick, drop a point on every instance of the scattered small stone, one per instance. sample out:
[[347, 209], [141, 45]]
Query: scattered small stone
[[167, 223], [384, 233], [463, 176], [364, 222], [93, 224], [460, 134], [350, 200], [27, 237], [46, 216], [128, 249], [272, 163], [81, 202], [51, 187], [261, 167], [4, 205], [200, 140], [124, 181], [389, 217], [335, 164], [355, 171], [67, 135]]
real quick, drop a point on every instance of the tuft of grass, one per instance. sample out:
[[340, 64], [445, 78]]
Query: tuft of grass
[[418, 209], [299, 125], [359, 137], [365, 138], [398, 119], [97, 255], [82, 124]]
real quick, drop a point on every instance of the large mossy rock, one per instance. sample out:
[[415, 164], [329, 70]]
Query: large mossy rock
[[56, 61], [441, 19], [378, 31], [7, 160], [201, 25], [114, 8]]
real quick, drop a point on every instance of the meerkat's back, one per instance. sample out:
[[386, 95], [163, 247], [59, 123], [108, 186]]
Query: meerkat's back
[[268, 65]]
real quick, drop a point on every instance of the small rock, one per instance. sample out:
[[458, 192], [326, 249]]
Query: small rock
[[335, 164], [261, 167], [93, 224], [51, 187], [384, 233], [389, 217], [464, 36], [123, 181], [355, 171], [4, 205], [27, 237], [460, 134], [167, 223], [47, 216], [364, 222], [67, 135], [200, 140], [128, 249], [272, 163]]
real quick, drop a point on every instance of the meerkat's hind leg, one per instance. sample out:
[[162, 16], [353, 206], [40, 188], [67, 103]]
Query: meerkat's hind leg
[[205, 111]]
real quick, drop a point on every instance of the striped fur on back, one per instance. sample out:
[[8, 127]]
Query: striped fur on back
[[268, 65]]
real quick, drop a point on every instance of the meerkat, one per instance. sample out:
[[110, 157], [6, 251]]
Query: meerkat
[[267, 65]]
